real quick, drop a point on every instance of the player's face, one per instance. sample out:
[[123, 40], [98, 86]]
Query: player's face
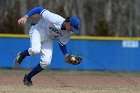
[[68, 26]]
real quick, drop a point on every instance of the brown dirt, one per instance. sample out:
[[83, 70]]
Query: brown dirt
[[71, 81]]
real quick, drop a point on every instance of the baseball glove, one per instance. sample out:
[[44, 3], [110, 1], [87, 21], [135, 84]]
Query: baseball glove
[[74, 60]]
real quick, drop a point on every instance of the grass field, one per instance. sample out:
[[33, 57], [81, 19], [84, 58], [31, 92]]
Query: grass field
[[65, 81]]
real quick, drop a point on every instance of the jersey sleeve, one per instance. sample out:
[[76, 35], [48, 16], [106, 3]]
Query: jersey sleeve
[[63, 41], [63, 49], [62, 44], [36, 10], [52, 17]]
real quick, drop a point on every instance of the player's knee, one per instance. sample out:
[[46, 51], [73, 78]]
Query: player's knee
[[34, 52], [44, 65]]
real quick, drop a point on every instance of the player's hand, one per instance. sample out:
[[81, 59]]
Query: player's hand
[[74, 60], [23, 20]]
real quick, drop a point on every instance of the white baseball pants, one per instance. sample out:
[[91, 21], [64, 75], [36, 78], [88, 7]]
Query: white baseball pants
[[40, 43]]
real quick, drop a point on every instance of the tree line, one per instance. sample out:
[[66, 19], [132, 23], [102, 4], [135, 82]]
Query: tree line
[[98, 17]]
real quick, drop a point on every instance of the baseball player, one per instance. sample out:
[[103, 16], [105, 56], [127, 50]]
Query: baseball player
[[42, 34]]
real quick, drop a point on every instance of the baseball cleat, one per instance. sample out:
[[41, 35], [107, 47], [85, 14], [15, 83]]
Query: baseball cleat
[[18, 60], [27, 82]]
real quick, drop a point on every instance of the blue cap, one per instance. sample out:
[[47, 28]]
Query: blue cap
[[75, 23]]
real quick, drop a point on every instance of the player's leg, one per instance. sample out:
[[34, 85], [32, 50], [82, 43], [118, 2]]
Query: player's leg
[[27, 78], [35, 46], [46, 53], [45, 60], [21, 56]]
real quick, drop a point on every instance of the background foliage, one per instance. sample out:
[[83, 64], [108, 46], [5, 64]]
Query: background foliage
[[98, 17]]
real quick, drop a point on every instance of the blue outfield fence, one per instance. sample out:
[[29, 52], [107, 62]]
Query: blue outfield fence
[[98, 53]]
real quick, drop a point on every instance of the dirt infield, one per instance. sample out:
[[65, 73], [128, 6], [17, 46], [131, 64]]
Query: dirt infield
[[53, 81]]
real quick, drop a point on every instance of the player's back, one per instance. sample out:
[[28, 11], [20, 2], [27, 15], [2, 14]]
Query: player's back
[[50, 19]]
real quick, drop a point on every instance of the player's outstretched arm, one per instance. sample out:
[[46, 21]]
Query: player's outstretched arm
[[63, 48], [36, 10], [70, 59]]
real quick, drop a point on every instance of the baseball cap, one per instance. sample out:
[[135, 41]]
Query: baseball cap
[[75, 23]]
